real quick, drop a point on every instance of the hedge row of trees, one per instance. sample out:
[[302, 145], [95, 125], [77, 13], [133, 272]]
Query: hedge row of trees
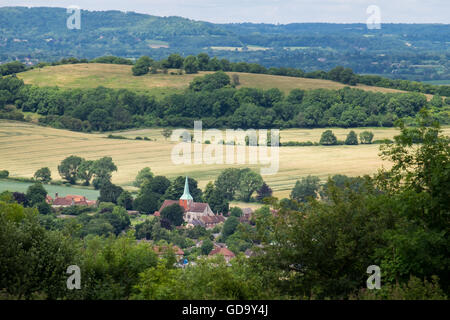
[[214, 100]]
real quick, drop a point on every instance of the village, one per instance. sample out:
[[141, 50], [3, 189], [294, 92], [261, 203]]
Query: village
[[195, 214]]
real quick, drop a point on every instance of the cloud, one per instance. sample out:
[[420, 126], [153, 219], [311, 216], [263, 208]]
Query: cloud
[[268, 11]]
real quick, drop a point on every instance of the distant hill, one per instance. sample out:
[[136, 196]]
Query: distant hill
[[410, 51]]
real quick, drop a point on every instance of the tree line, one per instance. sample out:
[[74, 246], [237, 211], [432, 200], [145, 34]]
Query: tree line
[[214, 99]]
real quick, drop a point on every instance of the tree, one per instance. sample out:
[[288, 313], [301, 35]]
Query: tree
[[68, 169], [43, 175], [366, 137], [103, 169], [264, 192], [158, 185], [99, 120], [227, 183], [249, 182], [147, 203], [236, 212], [352, 138], [4, 174], [118, 218], [229, 227], [176, 189], [143, 176], [125, 200], [142, 66], [207, 246], [174, 213], [175, 61], [36, 193], [85, 171], [305, 188], [328, 138], [215, 199], [110, 193], [33, 260], [166, 133], [191, 64], [235, 80], [203, 61]]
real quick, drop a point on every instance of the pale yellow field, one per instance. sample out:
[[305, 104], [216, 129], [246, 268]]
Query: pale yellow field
[[25, 147], [93, 75]]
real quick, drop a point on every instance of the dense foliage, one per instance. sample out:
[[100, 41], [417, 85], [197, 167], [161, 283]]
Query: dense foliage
[[213, 99]]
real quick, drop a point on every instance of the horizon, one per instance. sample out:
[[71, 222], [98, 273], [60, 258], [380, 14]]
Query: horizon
[[267, 11], [244, 22]]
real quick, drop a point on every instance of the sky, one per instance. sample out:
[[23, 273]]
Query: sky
[[268, 11]]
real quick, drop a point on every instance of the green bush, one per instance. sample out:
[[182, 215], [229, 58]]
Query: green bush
[[4, 174]]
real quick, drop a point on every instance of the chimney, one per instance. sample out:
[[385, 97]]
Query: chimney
[[56, 195]]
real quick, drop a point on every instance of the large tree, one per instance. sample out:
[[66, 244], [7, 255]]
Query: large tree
[[103, 169], [43, 175], [306, 188], [228, 183], [328, 138], [143, 176], [36, 193], [142, 66], [85, 171], [174, 213], [215, 199], [191, 64], [68, 169], [249, 182]]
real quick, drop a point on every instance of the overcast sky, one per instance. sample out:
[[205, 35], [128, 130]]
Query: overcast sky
[[268, 11]]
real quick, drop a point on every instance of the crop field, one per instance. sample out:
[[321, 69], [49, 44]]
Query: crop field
[[93, 75], [26, 147]]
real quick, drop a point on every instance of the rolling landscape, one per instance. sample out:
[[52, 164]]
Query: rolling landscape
[[96, 202], [120, 77]]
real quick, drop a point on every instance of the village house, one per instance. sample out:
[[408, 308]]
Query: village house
[[226, 253], [195, 213], [69, 200], [247, 214], [161, 250]]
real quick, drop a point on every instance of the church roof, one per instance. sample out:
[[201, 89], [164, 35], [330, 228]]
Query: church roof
[[186, 194]]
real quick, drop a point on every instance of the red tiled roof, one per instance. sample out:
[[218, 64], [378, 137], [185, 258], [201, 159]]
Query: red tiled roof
[[161, 250], [168, 203], [71, 199], [62, 202], [223, 251], [198, 207]]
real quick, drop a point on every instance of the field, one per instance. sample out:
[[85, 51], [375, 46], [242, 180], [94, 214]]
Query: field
[[119, 76], [26, 147], [6, 185]]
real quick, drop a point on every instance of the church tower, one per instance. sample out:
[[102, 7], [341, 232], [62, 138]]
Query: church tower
[[186, 199]]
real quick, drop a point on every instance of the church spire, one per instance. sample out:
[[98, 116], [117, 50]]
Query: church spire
[[186, 195]]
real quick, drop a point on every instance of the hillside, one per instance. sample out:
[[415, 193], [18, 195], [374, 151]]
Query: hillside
[[416, 51], [93, 75]]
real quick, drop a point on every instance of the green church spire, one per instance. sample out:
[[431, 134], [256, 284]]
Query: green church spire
[[186, 195]]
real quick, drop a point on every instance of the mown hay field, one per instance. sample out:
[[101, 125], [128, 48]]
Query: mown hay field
[[92, 75], [26, 147]]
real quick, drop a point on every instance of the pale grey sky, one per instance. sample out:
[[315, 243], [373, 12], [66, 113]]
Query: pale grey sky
[[268, 11]]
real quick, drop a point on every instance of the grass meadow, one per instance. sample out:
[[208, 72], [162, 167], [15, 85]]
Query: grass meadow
[[93, 75]]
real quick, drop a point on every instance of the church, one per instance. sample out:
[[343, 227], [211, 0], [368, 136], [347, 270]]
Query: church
[[195, 213]]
